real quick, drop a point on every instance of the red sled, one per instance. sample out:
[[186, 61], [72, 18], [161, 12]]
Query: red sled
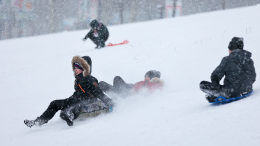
[[124, 42]]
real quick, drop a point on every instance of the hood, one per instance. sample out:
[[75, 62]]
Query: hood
[[94, 24], [83, 63], [240, 56]]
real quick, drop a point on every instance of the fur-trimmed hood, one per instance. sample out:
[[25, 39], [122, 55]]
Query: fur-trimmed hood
[[157, 80], [83, 63]]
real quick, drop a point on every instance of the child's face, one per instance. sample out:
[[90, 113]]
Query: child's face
[[229, 51], [147, 79], [77, 71]]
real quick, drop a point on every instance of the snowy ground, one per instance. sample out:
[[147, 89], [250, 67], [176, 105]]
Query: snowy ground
[[36, 70]]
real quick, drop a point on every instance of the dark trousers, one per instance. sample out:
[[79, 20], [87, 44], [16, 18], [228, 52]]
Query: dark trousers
[[99, 41], [221, 90], [212, 90], [57, 105], [119, 87]]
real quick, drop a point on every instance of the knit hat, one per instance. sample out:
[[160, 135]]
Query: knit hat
[[77, 65], [236, 43], [153, 74]]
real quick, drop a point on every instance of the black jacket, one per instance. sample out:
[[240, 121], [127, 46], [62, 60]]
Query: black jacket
[[101, 30], [239, 72], [86, 86]]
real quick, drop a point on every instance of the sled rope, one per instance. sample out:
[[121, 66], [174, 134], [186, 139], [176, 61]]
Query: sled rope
[[124, 42]]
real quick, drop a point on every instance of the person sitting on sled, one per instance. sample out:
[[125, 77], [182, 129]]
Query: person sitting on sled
[[151, 82], [239, 71], [87, 91], [98, 34]]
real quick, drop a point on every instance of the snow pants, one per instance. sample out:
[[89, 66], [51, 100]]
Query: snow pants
[[213, 90], [120, 87], [99, 41], [221, 90], [64, 105]]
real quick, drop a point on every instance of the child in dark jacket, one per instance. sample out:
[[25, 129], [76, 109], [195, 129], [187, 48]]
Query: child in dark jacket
[[98, 34], [87, 91]]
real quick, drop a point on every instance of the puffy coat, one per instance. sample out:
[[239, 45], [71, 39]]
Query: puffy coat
[[155, 83], [239, 72], [86, 86], [101, 31]]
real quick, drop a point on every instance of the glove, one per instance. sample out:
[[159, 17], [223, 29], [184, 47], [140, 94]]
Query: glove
[[84, 39]]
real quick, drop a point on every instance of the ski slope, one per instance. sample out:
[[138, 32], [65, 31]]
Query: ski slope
[[36, 70]]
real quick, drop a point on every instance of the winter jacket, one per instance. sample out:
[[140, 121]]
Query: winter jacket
[[101, 32], [86, 86], [239, 72], [153, 84]]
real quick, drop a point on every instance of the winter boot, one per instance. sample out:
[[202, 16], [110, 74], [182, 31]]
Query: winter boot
[[97, 47], [102, 44], [38, 121], [211, 98], [29, 123], [66, 118]]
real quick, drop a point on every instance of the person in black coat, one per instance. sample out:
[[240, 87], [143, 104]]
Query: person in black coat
[[98, 34], [239, 71], [87, 90]]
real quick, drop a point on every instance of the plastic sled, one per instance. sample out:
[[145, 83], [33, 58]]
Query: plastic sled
[[222, 99], [124, 42], [94, 109]]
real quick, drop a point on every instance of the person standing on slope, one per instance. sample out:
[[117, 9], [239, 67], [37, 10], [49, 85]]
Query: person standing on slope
[[98, 34], [87, 91], [239, 71]]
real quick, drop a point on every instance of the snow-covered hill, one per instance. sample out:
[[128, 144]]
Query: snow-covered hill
[[36, 70]]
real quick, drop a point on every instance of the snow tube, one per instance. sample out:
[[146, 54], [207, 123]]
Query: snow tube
[[222, 99]]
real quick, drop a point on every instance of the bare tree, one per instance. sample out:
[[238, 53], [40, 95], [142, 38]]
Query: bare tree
[[223, 4], [174, 8], [121, 11], [134, 10]]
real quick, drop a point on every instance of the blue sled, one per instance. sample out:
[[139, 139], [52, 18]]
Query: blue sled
[[222, 99]]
